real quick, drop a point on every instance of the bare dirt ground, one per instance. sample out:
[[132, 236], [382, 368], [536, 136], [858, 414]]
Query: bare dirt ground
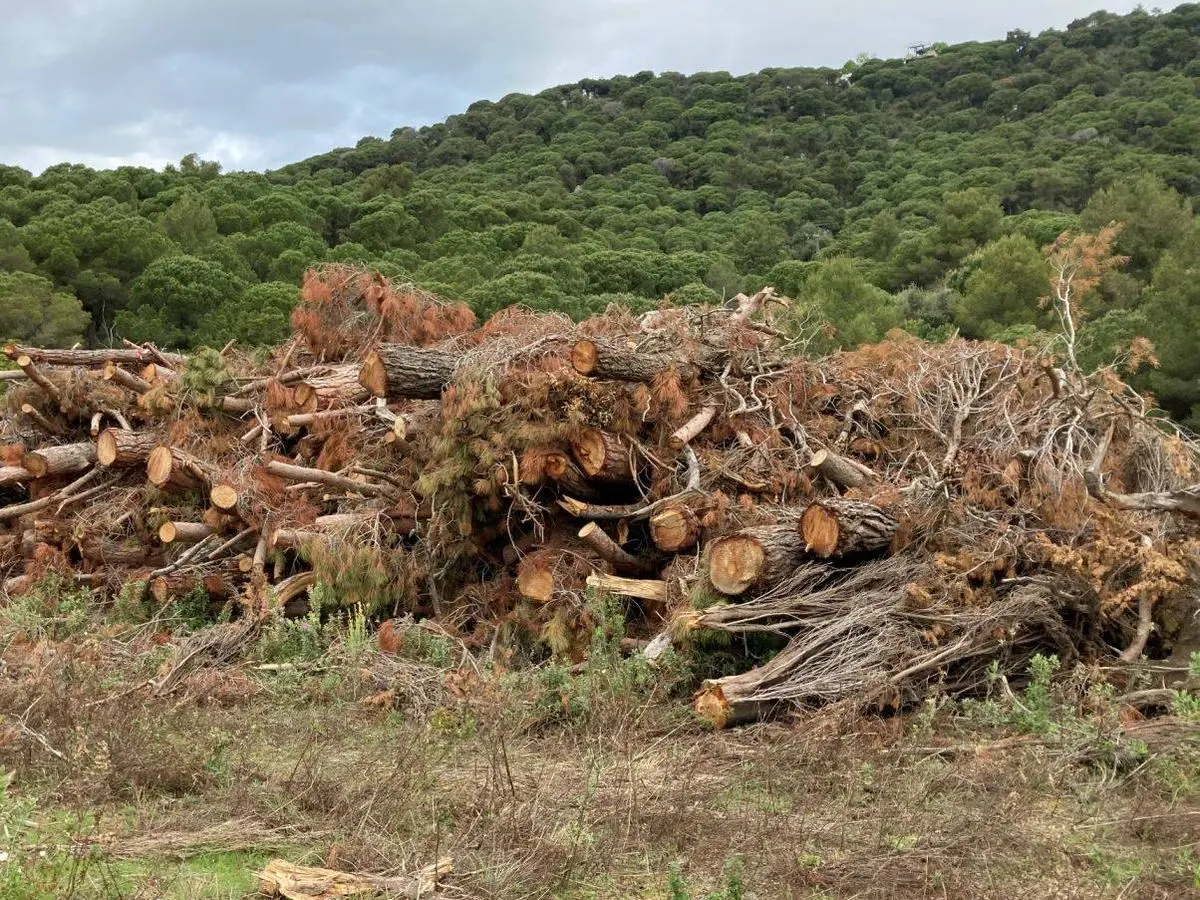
[[592, 783]]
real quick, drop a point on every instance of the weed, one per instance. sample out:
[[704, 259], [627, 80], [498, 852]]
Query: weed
[[54, 608], [132, 603], [191, 610]]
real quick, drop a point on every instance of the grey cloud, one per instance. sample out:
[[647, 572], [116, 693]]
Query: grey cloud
[[258, 83]]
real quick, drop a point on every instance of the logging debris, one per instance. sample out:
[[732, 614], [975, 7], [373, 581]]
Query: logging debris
[[888, 520]]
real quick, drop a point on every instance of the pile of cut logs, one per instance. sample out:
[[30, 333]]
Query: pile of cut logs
[[883, 520]]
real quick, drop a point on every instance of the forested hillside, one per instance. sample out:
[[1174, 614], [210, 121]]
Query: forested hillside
[[919, 193]]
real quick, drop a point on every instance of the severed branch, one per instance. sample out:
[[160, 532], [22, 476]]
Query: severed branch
[[304, 474]]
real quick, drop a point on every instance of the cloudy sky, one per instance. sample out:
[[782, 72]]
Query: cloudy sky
[[259, 83]]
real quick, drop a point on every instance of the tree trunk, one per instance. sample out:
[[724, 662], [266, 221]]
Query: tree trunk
[[754, 559], [170, 468], [184, 533], [113, 372], [845, 473], [837, 528], [118, 448], [34, 374], [402, 372], [90, 358], [724, 702], [14, 475], [48, 426], [603, 456], [611, 552], [65, 459], [674, 528], [603, 359], [340, 384]]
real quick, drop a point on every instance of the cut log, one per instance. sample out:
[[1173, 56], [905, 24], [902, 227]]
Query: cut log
[[402, 372], [836, 528], [223, 497], [534, 579], [340, 383], [117, 447], [755, 558], [34, 374], [724, 702], [304, 474], [398, 523], [567, 476], [687, 432], [154, 373], [641, 588], [91, 358], [65, 459], [674, 528], [113, 372], [603, 359], [72, 493], [170, 468], [603, 456], [292, 882], [844, 472], [184, 533], [14, 475], [46, 425], [611, 552]]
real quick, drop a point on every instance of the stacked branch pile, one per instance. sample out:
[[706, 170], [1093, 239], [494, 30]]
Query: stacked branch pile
[[878, 521]]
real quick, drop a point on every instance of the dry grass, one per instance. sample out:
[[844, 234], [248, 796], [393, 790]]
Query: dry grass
[[332, 762]]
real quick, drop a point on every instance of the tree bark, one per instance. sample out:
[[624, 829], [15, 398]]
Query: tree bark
[[113, 372], [170, 468], [611, 552], [641, 588], [91, 358], [48, 426], [304, 473], [845, 473], [34, 374], [687, 432], [184, 533], [837, 528], [293, 882], [603, 456], [402, 372], [675, 527], [118, 448], [605, 359], [754, 559], [65, 459], [340, 383], [14, 475]]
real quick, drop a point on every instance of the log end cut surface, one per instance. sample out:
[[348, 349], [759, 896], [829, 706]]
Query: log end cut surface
[[734, 563], [373, 375], [224, 496], [711, 706], [673, 529], [159, 466], [583, 357], [820, 530], [590, 450], [106, 448]]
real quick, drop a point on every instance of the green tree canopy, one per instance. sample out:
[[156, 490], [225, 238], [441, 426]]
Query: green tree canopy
[[33, 312]]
